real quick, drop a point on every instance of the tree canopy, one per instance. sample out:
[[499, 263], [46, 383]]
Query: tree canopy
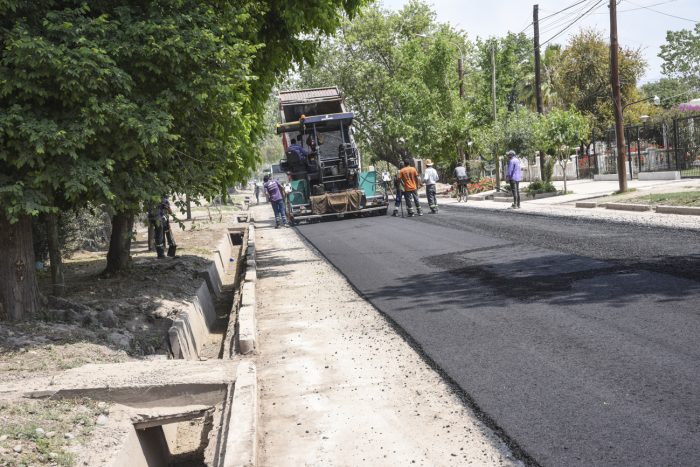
[[583, 77], [681, 55], [398, 71], [118, 101]]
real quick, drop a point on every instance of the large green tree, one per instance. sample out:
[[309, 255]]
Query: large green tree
[[513, 63], [582, 80], [681, 55], [120, 101], [398, 72]]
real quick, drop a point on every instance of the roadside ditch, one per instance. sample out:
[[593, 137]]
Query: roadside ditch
[[165, 382]]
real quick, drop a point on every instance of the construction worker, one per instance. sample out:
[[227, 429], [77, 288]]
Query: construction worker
[[398, 186], [409, 178], [159, 218], [275, 193], [430, 178]]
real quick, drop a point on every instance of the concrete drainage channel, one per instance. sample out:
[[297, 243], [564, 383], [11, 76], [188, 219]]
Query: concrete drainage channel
[[190, 410]]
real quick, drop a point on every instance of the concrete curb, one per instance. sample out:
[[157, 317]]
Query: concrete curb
[[586, 204], [242, 437], [193, 324], [684, 210], [247, 326], [628, 207]]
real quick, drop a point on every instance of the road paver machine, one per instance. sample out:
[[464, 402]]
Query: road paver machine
[[324, 167]]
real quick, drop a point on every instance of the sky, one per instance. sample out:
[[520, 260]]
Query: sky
[[638, 27]]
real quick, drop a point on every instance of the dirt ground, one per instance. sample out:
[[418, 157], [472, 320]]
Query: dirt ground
[[99, 319], [338, 385]]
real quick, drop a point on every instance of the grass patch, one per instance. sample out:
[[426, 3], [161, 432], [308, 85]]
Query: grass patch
[[683, 198], [54, 418]]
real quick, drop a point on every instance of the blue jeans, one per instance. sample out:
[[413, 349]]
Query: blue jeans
[[280, 215]]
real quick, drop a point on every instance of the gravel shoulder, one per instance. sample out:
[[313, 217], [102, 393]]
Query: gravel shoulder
[[338, 385]]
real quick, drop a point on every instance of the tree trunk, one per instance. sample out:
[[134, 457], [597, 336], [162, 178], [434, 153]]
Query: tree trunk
[[564, 170], [188, 203], [57, 279], [120, 243], [19, 291], [151, 236]]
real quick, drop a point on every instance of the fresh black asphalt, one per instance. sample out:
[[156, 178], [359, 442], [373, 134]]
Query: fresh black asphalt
[[578, 339]]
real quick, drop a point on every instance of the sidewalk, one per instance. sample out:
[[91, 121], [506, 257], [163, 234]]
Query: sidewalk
[[339, 386], [565, 205]]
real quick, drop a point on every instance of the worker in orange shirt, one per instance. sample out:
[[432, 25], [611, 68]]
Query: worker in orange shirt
[[409, 177]]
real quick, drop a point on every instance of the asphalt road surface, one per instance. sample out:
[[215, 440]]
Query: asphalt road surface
[[577, 339]]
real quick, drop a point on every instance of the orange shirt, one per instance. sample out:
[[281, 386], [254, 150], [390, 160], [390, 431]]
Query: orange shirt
[[409, 176]]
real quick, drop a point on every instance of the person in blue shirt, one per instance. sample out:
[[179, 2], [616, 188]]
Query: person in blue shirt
[[275, 193], [300, 152], [513, 176]]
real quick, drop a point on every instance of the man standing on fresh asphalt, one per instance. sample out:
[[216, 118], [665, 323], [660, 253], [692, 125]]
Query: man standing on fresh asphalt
[[430, 178], [274, 193], [513, 176], [409, 177], [398, 185]]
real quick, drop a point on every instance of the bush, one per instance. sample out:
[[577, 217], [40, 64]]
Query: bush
[[485, 184], [538, 187]]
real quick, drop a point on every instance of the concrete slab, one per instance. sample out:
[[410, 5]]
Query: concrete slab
[[248, 294], [242, 437], [669, 175], [684, 210], [628, 207], [137, 383], [251, 273], [247, 329]]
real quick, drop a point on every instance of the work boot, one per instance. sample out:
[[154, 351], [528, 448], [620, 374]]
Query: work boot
[[395, 213], [171, 250], [161, 254], [410, 214], [420, 213]]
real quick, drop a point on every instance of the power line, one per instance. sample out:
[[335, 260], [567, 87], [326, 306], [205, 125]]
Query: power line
[[665, 14], [564, 19], [639, 8], [563, 9], [595, 5]]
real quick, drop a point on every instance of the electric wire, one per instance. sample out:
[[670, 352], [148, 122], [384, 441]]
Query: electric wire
[[564, 19], [596, 5], [662, 13]]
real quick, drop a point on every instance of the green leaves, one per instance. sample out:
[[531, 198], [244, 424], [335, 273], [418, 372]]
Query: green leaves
[[398, 71], [681, 55], [560, 131]]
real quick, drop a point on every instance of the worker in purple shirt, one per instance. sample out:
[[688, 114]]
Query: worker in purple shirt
[[513, 176], [275, 194]]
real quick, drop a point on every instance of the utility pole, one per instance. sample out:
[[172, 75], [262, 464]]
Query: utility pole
[[495, 113], [538, 78], [460, 73], [617, 100]]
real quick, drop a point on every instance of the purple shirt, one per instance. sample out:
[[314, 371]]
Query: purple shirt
[[513, 170], [273, 189]]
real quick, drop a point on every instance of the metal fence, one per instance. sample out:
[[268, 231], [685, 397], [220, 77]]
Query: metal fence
[[658, 147]]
